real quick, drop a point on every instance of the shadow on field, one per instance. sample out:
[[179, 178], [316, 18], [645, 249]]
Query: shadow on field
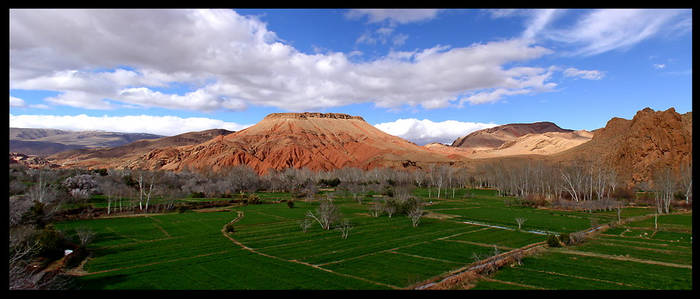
[[105, 282]]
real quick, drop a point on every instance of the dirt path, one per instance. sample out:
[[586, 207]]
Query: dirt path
[[623, 258]]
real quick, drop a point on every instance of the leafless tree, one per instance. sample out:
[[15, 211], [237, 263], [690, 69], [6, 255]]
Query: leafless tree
[[520, 221], [665, 185], [85, 236], [686, 181], [344, 227], [375, 209], [415, 214], [389, 208], [326, 214], [306, 224]]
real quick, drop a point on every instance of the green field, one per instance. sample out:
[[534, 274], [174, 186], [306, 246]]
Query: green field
[[269, 250], [632, 256]]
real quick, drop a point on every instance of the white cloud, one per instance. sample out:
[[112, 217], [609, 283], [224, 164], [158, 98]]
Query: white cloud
[[401, 16], [426, 131], [604, 30], [16, 102], [585, 74], [659, 66], [121, 58], [160, 125]]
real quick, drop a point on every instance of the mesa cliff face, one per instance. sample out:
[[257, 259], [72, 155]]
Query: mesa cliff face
[[634, 148], [318, 141]]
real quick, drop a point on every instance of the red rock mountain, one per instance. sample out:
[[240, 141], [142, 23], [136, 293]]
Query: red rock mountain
[[318, 141], [634, 148]]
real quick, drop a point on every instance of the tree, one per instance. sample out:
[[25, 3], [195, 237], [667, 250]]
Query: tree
[[344, 228], [415, 214], [520, 221], [686, 181], [326, 214]]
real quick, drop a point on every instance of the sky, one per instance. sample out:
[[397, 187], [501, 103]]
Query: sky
[[426, 75]]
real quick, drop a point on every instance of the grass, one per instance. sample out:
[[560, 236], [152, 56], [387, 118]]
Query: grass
[[188, 250]]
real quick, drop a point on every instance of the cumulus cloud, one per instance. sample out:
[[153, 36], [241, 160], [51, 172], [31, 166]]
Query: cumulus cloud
[[585, 74], [160, 125], [426, 131], [121, 58]]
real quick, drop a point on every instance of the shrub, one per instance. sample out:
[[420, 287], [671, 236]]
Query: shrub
[[553, 241], [565, 238], [254, 199], [77, 256], [229, 228], [330, 183], [290, 203], [576, 238], [197, 195], [51, 242]]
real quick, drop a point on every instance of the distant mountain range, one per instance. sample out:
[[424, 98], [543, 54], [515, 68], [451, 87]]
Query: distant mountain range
[[326, 141], [44, 142]]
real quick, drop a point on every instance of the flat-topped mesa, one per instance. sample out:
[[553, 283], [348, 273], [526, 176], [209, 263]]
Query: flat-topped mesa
[[307, 115]]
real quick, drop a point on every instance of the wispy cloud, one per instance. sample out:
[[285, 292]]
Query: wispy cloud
[[400, 16], [659, 66], [604, 30], [584, 74]]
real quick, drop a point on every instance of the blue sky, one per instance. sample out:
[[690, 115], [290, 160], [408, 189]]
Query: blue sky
[[424, 75]]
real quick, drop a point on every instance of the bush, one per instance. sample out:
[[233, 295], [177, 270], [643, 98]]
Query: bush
[[197, 195], [229, 228], [290, 203], [565, 238], [74, 259], [51, 242], [330, 183], [253, 199], [181, 209], [553, 241], [625, 193]]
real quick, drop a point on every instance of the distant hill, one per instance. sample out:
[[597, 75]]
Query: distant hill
[[133, 150], [45, 142]]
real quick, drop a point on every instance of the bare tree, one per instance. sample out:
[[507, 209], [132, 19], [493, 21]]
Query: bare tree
[[306, 224], [686, 181], [375, 209], [415, 214], [520, 221], [344, 228], [326, 214]]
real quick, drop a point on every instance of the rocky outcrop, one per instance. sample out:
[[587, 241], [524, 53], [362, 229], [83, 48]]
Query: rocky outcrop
[[31, 161], [636, 147]]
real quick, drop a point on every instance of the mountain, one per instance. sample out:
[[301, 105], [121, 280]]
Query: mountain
[[540, 138], [634, 148], [114, 157], [318, 141], [495, 137], [49, 141]]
